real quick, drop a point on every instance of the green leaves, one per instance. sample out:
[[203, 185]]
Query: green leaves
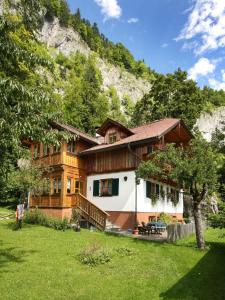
[[195, 167]]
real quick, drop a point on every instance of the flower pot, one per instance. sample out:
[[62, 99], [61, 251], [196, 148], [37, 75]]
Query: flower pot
[[135, 231]]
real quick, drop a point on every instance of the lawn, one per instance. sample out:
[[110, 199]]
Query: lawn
[[41, 263]]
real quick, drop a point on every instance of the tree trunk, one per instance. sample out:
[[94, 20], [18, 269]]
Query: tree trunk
[[198, 225]]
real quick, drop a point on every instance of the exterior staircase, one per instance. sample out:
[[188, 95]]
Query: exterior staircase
[[90, 212]]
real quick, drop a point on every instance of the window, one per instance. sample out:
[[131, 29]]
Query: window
[[68, 185], [112, 138], [57, 185], [150, 149], [79, 186], [106, 187], [46, 150], [36, 150], [56, 148], [71, 147], [157, 189]]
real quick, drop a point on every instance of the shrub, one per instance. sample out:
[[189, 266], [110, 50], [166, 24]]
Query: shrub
[[165, 218], [123, 251], [36, 216], [94, 255]]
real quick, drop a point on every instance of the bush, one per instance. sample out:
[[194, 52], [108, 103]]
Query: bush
[[94, 255], [123, 251], [165, 218], [36, 216]]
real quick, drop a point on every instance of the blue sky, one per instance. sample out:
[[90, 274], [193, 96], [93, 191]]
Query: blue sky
[[167, 34]]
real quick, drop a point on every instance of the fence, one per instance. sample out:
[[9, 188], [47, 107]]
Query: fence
[[179, 231]]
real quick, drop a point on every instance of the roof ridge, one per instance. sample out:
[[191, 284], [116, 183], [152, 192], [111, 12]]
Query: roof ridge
[[155, 121]]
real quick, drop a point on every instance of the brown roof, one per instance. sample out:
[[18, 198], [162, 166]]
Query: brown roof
[[84, 136], [151, 131]]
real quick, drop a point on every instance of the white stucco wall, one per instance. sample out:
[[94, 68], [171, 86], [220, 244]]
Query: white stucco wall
[[125, 201]]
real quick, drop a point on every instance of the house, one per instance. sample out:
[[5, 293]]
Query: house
[[97, 175]]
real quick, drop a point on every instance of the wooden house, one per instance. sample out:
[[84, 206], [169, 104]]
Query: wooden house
[[97, 175]]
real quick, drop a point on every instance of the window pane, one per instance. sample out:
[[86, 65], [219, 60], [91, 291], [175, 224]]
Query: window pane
[[81, 188], [54, 185], [68, 185], [76, 186], [59, 185]]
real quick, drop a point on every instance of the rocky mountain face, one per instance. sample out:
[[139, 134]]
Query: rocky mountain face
[[67, 41], [208, 122]]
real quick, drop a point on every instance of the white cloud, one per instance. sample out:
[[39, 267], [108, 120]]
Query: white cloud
[[132, 20], [217, 84], [202, 67], [110, 9], [205, 24], [164, 45]]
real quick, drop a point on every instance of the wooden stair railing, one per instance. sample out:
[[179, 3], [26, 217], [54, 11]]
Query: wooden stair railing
[[92, 213]]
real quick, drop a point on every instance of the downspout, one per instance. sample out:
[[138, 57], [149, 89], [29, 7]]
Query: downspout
[[137, 181]]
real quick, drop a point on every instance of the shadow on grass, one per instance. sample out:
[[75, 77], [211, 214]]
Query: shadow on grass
[[12, 255], [205, 281]]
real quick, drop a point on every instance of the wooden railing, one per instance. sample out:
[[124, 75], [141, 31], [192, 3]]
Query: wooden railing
[[92, 213]]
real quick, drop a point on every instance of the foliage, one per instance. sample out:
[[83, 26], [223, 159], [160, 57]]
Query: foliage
[[165, 218], [176, 96], [194, 168], [84, 104], [218, 220], [35, 216], [218, 142], [94, 255], [25, 105], [124, 251], [29, 178]]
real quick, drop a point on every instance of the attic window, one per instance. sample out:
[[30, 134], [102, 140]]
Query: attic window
[[112, 138]]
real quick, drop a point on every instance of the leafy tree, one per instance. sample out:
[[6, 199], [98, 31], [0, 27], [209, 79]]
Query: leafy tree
[[28, 178], [115, 107], [218, 220], [85, 105], [24, 108], [194, 168], [171, 95]]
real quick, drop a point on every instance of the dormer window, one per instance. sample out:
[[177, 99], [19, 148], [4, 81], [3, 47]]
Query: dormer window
[[71, 147], [112, 138]]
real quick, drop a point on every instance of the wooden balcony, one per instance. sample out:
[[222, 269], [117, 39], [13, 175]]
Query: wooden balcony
[[50, 160], [45, 201]]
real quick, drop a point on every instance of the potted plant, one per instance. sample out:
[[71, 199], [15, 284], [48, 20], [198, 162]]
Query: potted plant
[[135, 231]]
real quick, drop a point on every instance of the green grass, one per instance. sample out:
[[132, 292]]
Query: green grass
[[41, 263]]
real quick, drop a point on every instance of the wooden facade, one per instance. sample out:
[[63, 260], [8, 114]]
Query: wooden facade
[[120, 149]]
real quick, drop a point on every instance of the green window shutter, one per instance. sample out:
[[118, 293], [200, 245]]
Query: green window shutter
[[96, 188], [148, 189], [115, 187]]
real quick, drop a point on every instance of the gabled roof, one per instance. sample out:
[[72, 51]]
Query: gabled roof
[[145, 133], [84, 136], [109, 123]]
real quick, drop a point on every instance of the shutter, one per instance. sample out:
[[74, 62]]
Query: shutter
[[115, 187], [96, 188], [148, 189]]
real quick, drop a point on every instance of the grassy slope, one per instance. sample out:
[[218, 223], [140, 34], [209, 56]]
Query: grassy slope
[[40, 263]]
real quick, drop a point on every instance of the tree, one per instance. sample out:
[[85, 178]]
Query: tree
[[29, 178], [25, 105], [171, 95], [194, 168]]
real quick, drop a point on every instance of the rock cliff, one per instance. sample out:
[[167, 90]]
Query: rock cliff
[[67, 41]]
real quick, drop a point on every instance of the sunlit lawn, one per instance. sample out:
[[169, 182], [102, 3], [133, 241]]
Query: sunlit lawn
[[41, 263]]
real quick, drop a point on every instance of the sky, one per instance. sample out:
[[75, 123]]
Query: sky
[[167, 34]]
